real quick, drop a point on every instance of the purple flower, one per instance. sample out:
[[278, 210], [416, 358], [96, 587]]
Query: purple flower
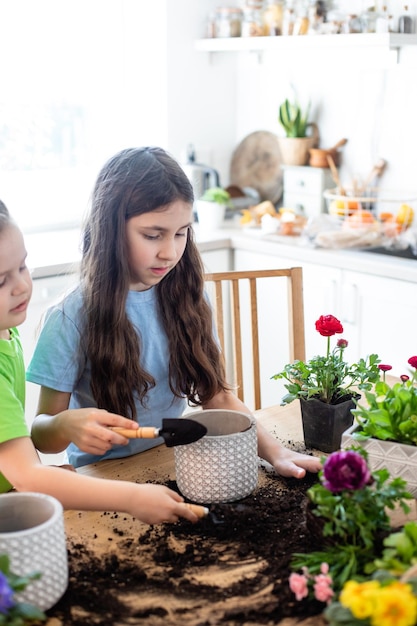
[[6, 595], [345, 470]]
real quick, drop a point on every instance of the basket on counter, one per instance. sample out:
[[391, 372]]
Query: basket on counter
[[374, 204]]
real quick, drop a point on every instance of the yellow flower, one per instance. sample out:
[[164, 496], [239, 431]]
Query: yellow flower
[[360, 597], [396, 606]]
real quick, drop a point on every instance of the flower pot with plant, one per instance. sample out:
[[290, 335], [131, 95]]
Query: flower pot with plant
[[211, 208], [386, 426], [295, 146], [327, 387], [363, 572]]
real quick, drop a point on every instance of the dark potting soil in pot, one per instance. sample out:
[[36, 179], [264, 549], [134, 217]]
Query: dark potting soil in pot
[[233, 572]]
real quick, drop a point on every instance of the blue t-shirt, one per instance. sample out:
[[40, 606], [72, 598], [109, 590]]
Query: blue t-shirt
[[58, 363]]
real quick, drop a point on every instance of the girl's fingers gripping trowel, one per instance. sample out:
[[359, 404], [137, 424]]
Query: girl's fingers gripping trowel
[[174, 431]]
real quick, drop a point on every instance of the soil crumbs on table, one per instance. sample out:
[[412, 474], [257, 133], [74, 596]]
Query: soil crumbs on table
[[230, 568]]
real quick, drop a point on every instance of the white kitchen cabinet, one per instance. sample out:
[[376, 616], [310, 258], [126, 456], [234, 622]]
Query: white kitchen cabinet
[[217, 260], [383, 312], [46, 291], [303, 189], [378, 314]]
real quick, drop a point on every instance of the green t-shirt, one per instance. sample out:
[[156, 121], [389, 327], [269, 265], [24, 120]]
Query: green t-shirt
[[12, 394]]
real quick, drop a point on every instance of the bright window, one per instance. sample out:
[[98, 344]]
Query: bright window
[[80, 80]]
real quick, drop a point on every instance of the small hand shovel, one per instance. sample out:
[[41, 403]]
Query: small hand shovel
[[175, 432]]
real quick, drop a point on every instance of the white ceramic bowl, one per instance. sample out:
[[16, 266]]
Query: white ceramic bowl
[[32, 534], [222, 466]]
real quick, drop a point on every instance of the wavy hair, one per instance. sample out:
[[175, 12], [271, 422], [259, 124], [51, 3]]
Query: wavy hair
[[133, 182]]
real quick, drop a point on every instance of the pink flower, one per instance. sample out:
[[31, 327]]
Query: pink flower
[[299, 585], [413, 361], [404, 378], [323, 591], [385, 368]]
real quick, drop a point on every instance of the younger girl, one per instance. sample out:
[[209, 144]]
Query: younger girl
[[136, 336], [20, 466]]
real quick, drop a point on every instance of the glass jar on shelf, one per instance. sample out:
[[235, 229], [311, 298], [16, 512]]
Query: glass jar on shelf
[[301, 24], [252, 24], [405, 21], [368, 20], [288, 19], [273, 17], [228, 22]]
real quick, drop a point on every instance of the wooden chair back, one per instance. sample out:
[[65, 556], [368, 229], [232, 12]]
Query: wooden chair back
[[227, 294]]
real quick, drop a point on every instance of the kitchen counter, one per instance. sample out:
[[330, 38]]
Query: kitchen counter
[[56, 252]]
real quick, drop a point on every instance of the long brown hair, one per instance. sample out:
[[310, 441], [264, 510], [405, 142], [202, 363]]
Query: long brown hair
[[133, 182]]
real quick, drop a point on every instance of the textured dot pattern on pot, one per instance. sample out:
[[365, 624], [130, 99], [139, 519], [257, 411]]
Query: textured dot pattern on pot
[[32, 534], [223, 465]]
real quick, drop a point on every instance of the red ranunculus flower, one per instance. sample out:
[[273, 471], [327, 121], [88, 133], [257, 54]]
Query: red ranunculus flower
[[413, 361], [328, 325], [346, 469], [385, 368], [342, 343], [404, 378]]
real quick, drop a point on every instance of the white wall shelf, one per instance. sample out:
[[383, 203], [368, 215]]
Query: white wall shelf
[[259, 44]]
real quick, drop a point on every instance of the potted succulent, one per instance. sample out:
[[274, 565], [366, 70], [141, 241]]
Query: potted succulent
[[327, 387], [386, 426], [296, 144], [211, 208]]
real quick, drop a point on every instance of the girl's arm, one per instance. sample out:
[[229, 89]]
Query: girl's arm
[[286, 462], [56, 426], [152, 504]]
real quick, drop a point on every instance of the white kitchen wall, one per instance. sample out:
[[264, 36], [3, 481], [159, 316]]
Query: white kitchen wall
[[362, 94], [133, 66]]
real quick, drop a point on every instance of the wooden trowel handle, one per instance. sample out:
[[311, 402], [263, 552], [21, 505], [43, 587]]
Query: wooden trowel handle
[[143, 432], [200, 511]]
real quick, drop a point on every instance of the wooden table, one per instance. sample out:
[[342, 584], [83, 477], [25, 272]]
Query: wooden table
[[157, 465], [96, 531]]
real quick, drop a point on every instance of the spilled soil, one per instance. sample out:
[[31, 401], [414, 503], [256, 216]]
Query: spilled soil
[[230, 568]]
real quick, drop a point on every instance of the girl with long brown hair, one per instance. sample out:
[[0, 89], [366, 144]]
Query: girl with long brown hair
[[136, 336]]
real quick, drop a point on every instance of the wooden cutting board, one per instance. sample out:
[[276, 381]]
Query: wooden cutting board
[[256, 163]]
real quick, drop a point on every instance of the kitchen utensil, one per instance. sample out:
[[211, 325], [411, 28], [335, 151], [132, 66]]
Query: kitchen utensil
[[256, 163], [376, 172], [201, 176], [175, 432], [318, 156], [335, 174], [217, 519]]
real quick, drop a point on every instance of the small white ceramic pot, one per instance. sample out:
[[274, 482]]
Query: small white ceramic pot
[[223, 465], [210, 215], [32, 534]]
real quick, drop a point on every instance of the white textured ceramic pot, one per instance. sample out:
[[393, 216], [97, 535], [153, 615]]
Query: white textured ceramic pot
[[32, 534], [223, 465], [400, 459]]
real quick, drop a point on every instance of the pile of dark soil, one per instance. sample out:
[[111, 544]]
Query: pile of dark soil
[[231, 568]]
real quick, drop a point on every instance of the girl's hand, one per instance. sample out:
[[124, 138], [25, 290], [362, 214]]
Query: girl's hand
[[89, 429], [156, 504]]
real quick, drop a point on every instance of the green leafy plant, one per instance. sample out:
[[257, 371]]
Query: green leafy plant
[[400, 551], [390, 412], [12, 612], [329, 378], [293, 119], [217, 195], [352, 504]]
